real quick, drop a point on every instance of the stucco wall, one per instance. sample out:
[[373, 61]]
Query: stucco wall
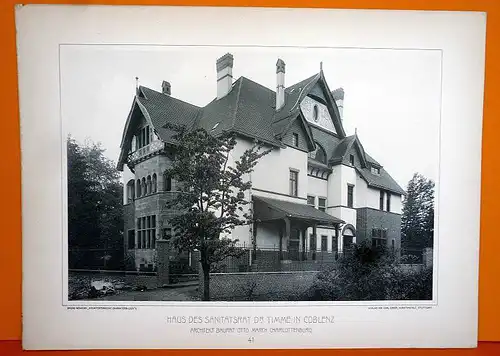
[[318, 188], [272, 173], [324, 118]]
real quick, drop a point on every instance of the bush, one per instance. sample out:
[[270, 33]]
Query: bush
[[370, 274]]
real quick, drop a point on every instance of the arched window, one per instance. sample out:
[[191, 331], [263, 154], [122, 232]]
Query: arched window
[[148, 187], [143, 187], [138, 188], [130, 191], [154, 183], [167, 182]]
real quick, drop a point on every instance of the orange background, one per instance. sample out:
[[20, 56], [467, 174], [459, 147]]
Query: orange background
[[10, 246]]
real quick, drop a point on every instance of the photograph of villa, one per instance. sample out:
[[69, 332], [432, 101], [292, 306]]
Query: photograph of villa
[[326, 218]]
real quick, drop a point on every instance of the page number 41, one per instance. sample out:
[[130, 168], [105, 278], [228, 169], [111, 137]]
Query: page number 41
[[251, 340]]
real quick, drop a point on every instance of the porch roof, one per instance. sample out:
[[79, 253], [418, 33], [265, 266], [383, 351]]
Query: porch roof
[[272, 209]]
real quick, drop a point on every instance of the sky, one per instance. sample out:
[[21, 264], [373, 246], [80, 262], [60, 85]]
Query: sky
[[392, 97]]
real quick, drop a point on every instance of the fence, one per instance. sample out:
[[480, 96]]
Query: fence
[[271, 259], [96, 259]]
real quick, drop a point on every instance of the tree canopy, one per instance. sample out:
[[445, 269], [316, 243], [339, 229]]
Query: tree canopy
[[211, 201], [417, 220], [95, 193]]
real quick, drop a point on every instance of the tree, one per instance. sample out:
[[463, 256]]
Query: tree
[[95, 216], [417, 220], [212, 189]]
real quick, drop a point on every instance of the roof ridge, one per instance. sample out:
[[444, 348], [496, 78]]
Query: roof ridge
[[170, 96], [257, 83]]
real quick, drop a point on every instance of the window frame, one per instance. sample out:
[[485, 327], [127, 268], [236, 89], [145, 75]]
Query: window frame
[[324, 243], [351, 160], [320, 207], [314, 201], [381, 200], [295, 139], [350, 195], [293, 183], [388, 202]]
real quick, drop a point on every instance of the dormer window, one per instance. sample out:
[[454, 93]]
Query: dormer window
[[351, 160], [376, 170], [315, 113], [296, 139]]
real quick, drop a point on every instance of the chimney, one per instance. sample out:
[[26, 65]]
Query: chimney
[[166, 88], [224, 75], [280, 84], [338, 95]]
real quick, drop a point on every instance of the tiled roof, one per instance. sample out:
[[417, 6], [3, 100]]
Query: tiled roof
[[342, 148], [249, 109], [299, 211], [246, 110], [382, 181], [164, 108]]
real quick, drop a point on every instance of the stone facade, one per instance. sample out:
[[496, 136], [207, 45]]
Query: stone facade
[[152, 203], [369, 219]]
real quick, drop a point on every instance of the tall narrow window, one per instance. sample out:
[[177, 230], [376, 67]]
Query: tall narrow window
[[350, 195], [167, 182], [388, 204], [310, 201], [138, 188], [130, 191], [153, 232], [322, 204], [148, 232], [154, 183], [351, 160], [294, 178], [139, 233], [144, 189], [296, 139], [149, 185], [324, 243], [144, 227], [381, 200]]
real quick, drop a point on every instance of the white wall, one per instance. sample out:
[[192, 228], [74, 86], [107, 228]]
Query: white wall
[[272, 173], [396, 204], [318, 188], [334, 187], [366, 196]]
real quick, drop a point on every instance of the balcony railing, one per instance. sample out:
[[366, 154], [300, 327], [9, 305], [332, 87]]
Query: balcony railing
[[146, 150]]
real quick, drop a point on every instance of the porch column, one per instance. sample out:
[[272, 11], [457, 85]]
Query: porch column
[[313, 251], [286, 235], [304, 237]]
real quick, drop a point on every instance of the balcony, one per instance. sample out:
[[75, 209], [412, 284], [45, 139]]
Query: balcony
[[145, 151]]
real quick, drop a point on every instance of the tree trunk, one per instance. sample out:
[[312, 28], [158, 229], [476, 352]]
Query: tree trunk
[[206, 282]]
